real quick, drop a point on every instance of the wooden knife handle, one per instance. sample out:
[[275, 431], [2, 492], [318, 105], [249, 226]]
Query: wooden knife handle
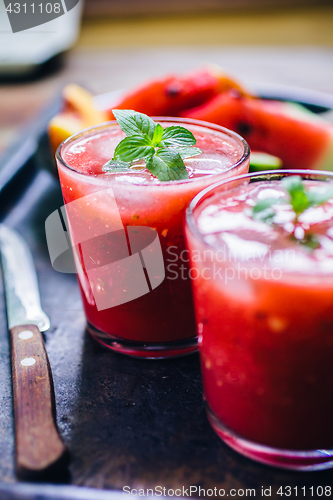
[[39, 448]]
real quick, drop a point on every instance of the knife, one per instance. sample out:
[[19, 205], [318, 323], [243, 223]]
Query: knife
[[40, 452]]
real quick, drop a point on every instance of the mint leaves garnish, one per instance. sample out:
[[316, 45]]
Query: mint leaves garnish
[[300, 199], [163, 149]]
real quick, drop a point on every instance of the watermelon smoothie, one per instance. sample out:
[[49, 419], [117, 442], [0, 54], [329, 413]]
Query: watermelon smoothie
[[120, 222], [264, 309]]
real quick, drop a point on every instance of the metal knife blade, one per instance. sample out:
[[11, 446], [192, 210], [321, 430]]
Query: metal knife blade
[[20, 279]]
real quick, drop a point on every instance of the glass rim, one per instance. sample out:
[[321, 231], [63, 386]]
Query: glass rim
[[191, 121], [189, 214]]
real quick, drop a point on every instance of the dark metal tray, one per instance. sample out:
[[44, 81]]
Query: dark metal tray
[[127, 422]]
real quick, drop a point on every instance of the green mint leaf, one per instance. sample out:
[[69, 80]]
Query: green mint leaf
[[167, 165], [177, 136], [298, 196], [320, 196], [135, 147], [187, 152], [116, 165], [299, 202], [264, 204], [266, 215], [263, 210], [133, 123], [158, 133], [293, 183]]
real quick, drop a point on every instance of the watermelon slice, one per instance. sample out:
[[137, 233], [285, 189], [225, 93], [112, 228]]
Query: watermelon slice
[[171, 95], [299, 137]]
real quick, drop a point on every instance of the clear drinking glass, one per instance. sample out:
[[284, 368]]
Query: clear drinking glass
[[128, 238], [264, 312]]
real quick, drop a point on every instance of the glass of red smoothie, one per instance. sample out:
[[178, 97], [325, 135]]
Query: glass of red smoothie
[[128, 240], [263, 295]]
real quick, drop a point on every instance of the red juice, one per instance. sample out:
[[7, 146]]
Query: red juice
[[264, 309], [160, 322]]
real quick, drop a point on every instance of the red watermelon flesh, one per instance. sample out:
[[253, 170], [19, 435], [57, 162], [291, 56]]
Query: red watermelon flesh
[[300, 138], [172, 94]]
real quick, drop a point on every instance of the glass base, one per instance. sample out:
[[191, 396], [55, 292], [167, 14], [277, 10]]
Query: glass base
[[307, 460], [148, 350]]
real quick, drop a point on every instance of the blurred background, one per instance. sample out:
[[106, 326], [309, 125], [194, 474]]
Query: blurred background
[[96, 8], [124, 43]]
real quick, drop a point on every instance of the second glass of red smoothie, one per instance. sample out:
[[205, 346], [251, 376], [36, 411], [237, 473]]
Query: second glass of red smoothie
[[262, 269], [127, 235]]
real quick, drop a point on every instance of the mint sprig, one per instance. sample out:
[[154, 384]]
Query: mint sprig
[[163, 149], [300, 199], [297, 196]]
